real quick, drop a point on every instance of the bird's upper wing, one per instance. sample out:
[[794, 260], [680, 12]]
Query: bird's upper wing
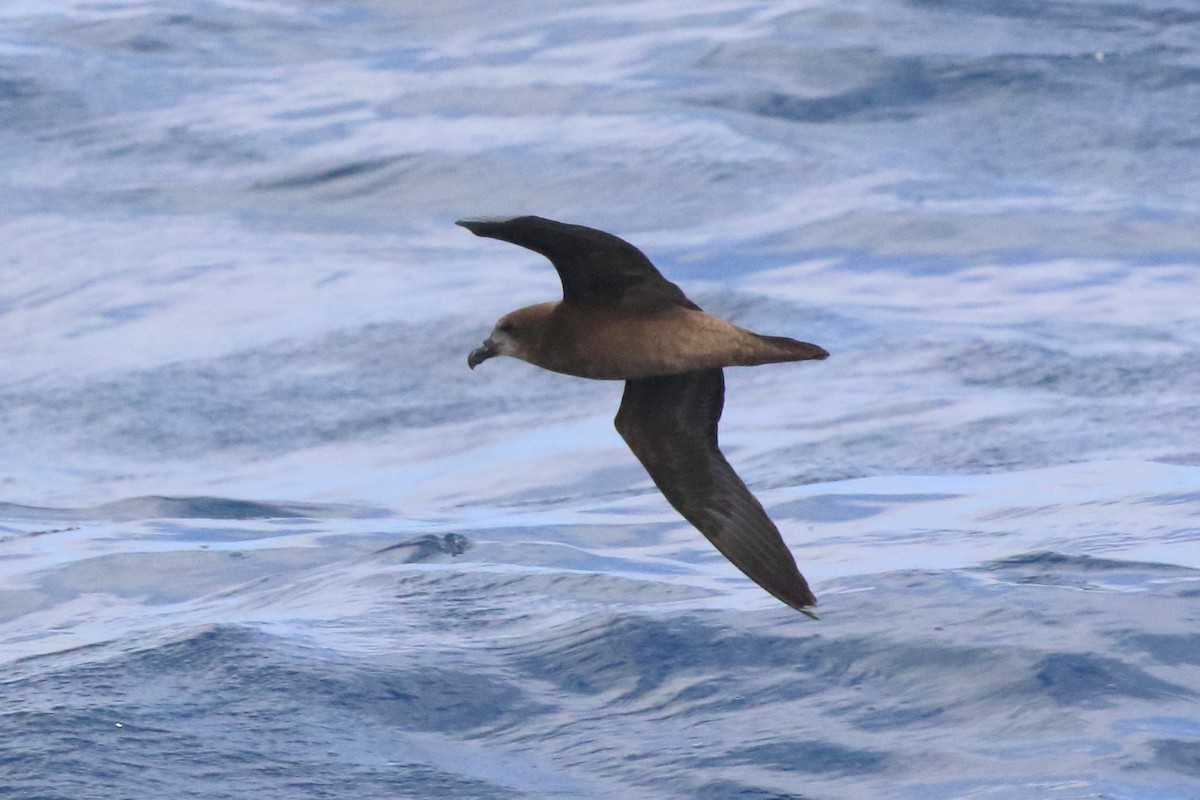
[[670, 423], [596, 268]]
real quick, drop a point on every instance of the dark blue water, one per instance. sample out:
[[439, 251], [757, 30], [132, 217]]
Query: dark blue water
[[263, 532]]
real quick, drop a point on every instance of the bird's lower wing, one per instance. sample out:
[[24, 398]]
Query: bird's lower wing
[[670, 424]]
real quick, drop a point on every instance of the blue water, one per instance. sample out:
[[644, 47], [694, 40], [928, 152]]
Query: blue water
[[262, 532]]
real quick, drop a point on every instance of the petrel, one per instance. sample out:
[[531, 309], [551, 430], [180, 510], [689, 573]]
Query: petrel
[[620, 319]]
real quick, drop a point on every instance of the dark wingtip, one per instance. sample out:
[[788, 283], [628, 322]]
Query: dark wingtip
[[484, 226], [803, 603], [470, 222], [793, 592]]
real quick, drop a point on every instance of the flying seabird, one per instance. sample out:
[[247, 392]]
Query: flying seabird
[[620, 319]]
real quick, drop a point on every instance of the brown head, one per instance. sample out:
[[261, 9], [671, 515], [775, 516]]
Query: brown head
[[520, 334]]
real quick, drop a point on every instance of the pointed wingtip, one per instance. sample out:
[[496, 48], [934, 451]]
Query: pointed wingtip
[[471, 223], [802, 603], [481, 225], [795, 592]]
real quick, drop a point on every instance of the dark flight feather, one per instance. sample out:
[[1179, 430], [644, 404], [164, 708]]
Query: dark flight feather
[[670, 424], [596, 268]]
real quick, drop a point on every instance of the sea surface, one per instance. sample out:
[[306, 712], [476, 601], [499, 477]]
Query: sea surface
[[263, 534]]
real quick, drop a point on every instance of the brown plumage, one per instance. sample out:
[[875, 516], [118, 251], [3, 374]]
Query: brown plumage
[[620, 319]]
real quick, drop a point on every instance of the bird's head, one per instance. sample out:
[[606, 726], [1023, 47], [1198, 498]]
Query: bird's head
[[518, 334]]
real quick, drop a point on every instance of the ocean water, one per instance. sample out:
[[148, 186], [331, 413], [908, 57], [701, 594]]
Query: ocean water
[[262, 532]]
